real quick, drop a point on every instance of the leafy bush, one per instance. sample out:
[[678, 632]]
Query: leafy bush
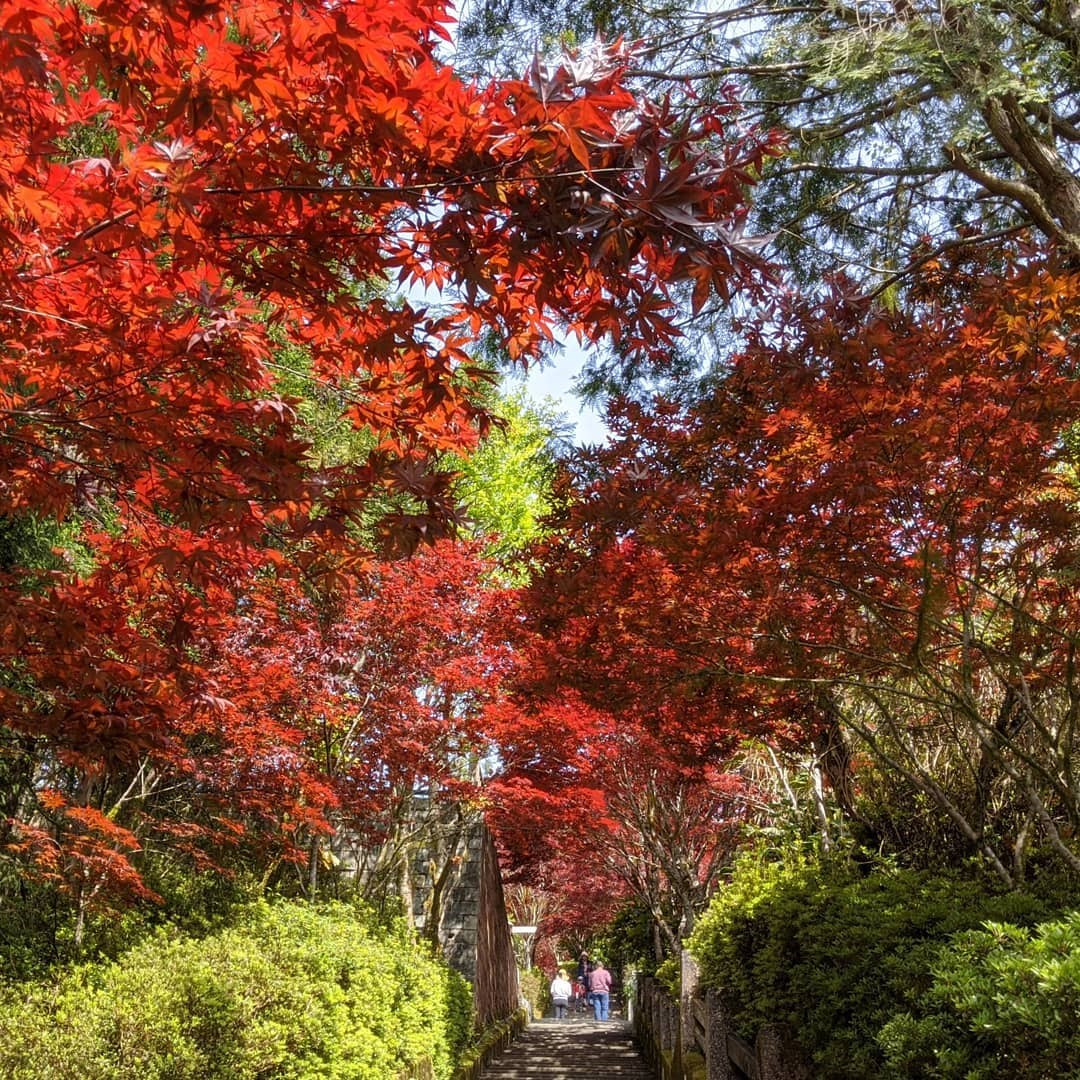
[[839, 954], [37, 922], [669, 975], [535, 989], [627, 942], [1004, 1001], [293, 991]]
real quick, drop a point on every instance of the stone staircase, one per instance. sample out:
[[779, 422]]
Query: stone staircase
[[574, 1049]]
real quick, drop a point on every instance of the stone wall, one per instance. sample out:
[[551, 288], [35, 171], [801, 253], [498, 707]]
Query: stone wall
[[461, 910], [473, 931]]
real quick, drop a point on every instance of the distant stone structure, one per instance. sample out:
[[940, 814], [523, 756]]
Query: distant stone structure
[[453, 881], [474, 932]]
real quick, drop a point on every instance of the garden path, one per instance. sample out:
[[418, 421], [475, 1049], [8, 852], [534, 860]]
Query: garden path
[[578, 1048]]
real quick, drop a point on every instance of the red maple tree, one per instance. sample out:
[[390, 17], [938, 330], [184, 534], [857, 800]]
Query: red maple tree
[[868, 524], [598, 810], [194, 195]]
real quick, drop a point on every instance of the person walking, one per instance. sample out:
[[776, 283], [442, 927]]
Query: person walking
[[584, 969], [560, 994], [600, 990]]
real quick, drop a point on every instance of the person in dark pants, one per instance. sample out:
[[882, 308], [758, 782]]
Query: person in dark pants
[[584, 970], [578, 998]]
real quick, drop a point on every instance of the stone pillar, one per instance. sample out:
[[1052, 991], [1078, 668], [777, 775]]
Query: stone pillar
[[669, 1037], [643, 1024], [778, 1054], [689, 985], [718, 1064], [639, 1008], [656, 1027], [669, 1023]]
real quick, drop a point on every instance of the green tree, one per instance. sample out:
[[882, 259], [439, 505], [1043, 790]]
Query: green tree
[[505, 485], [905, 119]]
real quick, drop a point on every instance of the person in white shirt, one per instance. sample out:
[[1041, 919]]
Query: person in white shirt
[[560, 994]]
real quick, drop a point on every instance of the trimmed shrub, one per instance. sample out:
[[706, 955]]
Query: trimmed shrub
[[1004, 1002], [292, 992], [839, 955]]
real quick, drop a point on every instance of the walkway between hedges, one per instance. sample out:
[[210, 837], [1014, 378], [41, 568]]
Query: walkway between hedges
[[574, 1049]]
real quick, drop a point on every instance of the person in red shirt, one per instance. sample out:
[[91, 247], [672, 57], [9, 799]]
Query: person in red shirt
[[600, 989]]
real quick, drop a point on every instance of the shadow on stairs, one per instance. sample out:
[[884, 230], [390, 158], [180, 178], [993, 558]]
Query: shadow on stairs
[[570, 1050]]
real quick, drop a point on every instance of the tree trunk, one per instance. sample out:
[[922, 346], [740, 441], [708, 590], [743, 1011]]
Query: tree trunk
[[313, 868], [405, 887]]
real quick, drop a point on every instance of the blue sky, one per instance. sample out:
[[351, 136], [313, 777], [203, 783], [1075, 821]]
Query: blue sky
[[554, 380]]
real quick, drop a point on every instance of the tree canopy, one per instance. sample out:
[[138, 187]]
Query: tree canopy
[[219, 416]]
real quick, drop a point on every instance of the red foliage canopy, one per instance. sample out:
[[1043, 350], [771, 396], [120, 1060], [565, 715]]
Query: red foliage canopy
[[854, 460], [193, 194], [595, 809], [869, 498]]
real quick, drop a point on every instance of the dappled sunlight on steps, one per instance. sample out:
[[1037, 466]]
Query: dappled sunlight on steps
[[570, 1050]]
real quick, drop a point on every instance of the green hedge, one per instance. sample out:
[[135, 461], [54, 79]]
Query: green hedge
[[1005, 1001], [290, 991], [867, 968]]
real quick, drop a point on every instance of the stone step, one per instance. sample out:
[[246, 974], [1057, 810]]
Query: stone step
[[571, 1050]]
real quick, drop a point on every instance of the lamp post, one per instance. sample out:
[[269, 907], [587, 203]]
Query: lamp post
[[526, 936]]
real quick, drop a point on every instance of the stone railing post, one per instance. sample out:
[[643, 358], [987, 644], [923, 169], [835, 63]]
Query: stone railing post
[[718, 1064], [646, 1020], [656, 1016], [687, 992], [669, 1021], [641, 1018], [779, 1056]]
